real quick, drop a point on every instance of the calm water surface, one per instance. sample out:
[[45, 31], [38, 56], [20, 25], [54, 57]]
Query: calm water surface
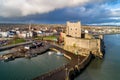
[[109, 68], [27, 69]]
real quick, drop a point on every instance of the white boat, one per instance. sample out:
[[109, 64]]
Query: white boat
[[49, 53], [59, 54], [27, 47]]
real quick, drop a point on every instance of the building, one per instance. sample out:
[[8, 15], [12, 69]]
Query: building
[[11, 33], [3, 34], [25, 34], [73, 39], [73, 29]]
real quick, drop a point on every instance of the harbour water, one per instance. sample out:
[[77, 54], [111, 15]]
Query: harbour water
[[109, 67], [27, 69]]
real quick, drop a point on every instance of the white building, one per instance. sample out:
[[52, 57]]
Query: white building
[[25, 34], [4, 34], [86, 31], [39, 32]]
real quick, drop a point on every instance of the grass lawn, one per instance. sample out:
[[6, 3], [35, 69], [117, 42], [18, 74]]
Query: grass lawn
[[38, 38], [49, 38], [46, 38], [16, 41]]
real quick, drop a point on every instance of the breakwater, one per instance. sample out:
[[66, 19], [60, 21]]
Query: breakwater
[[67, 71]]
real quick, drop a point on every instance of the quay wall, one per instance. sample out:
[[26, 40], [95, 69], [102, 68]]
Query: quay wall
[[78, 68], [85, 61], [14, 45]]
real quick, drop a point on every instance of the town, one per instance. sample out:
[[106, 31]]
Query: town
[[33, 30], [17, 33]]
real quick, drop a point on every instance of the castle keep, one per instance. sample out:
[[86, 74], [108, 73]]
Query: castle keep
[[75, 41], [73, 29]]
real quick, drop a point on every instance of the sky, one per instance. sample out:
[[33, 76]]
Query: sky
[[89, 12]]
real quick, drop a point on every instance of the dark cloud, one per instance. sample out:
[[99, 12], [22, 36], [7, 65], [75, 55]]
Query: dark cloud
[[104, 11]]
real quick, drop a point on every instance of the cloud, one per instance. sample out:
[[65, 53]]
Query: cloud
[[90, 13], [114, 18], [102, 12], [109, 23], [16, 8]]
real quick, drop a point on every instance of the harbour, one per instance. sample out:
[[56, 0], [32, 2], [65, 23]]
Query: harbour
[[27, 69]]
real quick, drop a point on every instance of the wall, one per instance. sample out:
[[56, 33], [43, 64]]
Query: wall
[[82, 43], [93, 45], [88, 36]]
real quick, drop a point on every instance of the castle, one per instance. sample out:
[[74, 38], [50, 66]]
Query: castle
[[75, 41]]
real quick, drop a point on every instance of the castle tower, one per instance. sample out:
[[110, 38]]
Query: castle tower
[[73, 29], [29, 27]]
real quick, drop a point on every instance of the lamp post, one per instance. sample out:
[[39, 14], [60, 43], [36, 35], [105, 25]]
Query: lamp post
[[78, 57], [66, 73]]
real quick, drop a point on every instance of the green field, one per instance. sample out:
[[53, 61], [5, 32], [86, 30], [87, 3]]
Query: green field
[[52, 38], [16, 41]]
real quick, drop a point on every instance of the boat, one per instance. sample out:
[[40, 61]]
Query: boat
[[6, 59], [49, 53], [59, 54], [33, 55]]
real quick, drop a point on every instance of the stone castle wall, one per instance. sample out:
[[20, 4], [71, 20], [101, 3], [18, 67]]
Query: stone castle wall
[[89, 44]]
